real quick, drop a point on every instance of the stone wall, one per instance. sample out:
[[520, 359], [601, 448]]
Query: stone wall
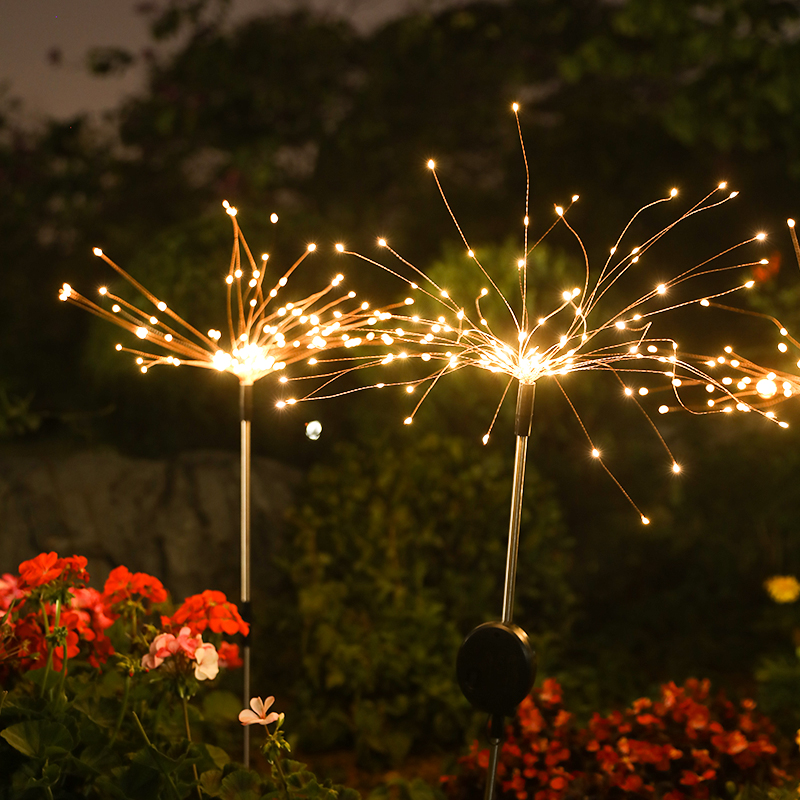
[[177, 519]]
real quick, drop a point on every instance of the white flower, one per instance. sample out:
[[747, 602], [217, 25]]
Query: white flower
[[259, 716]]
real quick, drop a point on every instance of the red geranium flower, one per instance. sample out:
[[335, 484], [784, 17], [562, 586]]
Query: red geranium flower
[[210, 609], [229, 657], [40, 570], [47, 567], [122, 584]]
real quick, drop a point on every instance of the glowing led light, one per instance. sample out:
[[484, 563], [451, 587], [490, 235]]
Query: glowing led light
[[596, 453], [616, 341], [766, 388], [263, 340], [431, 164], [676, 468]]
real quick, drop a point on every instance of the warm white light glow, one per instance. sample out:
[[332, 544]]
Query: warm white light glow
[[536, 336], [263, 339]]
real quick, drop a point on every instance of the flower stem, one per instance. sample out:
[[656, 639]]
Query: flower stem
[[277, 764], [49, 663], [122, 709], [151, 748], [189, 737], [63, 668]]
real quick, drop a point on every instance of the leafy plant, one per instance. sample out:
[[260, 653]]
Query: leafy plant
[[97, 688], [394, 556]]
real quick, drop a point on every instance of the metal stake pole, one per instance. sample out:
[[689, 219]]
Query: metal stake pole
[[510, 585], [245, 415], [522, 429]]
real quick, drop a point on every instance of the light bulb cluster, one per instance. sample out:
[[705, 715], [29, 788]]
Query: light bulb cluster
[[265, 337], [572, 336], [734, 382]]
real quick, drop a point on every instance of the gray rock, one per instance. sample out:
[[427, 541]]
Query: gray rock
[[176, 519]]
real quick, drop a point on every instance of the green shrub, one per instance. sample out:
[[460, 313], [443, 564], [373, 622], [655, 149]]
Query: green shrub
[[397, 551]]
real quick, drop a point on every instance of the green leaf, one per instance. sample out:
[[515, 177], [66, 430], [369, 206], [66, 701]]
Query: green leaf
[[141, 781], [154, 758], [218, 755], [211, 781], [240, 785], [39, 738]]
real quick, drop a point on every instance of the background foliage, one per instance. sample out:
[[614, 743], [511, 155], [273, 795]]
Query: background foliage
[[332, 128]]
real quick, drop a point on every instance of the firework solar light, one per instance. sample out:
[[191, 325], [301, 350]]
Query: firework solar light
[[735, 383], [496, 665], [265, 337]]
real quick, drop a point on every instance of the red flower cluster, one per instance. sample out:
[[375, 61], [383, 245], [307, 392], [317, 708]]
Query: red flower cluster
[[683, 745], [122, 585], [27, 614], [47, 567], [210, 609], [229, 657]]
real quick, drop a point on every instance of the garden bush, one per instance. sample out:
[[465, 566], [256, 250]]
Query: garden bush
[[394, 556], [685, 744]]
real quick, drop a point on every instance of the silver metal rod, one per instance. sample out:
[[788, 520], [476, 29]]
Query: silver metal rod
[[513, 529], [245, 513], [245, 402], [491, 772]]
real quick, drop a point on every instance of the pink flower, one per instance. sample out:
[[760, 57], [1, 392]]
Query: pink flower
[[159, 650], [207, 661], [259, 716], [186, 642], [9, 590], [193, 647]]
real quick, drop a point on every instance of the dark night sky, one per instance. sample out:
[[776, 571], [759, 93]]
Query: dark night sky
[[29, 29]]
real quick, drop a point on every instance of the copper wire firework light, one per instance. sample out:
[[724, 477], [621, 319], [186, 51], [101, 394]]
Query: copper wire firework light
[[734, 382], [265, 337], [581, 331], [577, 333]]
